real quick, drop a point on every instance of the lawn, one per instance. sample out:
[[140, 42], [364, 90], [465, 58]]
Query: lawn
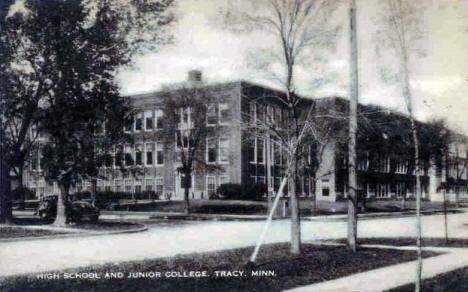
[[405, 241], [452, 281], [20, 229], [280, 271], [261, 207], [19, 232]]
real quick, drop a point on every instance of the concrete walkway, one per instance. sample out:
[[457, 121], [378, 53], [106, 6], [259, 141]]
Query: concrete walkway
[[389, 277]]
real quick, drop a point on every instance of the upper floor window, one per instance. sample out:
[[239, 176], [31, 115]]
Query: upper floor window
[[212, 153], [260, 151], [138, 122], [211, 115], [223, 149], [148, 120], [223, 113], [138, 155], [159, 154], [159, 119], [149, 154]]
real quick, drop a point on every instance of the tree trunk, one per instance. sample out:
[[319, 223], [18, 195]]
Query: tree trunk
[[5, 194], [418, 203], [269, 178], [414, 133], [353, 101], [93, 191], [294, 207], [61, 217], [314, 198], [22, 196], [186, 192], [445, 215]]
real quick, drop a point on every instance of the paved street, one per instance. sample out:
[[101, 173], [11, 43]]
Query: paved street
[[164, 240]]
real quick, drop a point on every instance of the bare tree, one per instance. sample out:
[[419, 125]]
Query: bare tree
[[353, 104], [295, 25], [403, 22], [193, 124]]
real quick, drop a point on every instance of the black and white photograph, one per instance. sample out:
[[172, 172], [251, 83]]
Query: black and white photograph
[[233, 145]]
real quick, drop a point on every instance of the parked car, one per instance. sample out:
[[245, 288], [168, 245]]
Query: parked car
[[76, 211]]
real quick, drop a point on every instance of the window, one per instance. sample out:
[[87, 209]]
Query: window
[[119, 156], [159, 186], [159, 154], [276, 153], [260, 151], [223, 149], [211, 115], [252, 111], [128, 159], [277, 183], [252, 151], [159, 119], [224, 112], [182, 139], [211, 185], [149, 185], [40, 161], [128, 186], [211, 151], [108, 160], [128, 125], [138, 155], [118, 186], [260, 112], [148, 120], [138, 188], [149, 154], [138, 122], [401, 167], [35, 161], [185, 115]]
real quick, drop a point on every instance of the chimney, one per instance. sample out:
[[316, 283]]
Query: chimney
[[194, 76]]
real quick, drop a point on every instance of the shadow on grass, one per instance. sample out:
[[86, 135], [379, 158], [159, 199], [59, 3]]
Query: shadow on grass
[[452, 281], [407, 241], [275, 270]]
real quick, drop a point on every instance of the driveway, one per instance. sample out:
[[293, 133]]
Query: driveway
[[166, 240]]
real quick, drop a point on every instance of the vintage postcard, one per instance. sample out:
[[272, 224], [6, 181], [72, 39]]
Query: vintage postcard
[[233, 145]]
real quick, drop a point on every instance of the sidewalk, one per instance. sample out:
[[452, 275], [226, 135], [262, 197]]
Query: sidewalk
[[390, 277]]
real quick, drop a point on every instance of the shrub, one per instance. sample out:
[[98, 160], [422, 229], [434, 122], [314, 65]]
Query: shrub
[[28, 193], [229, 191], [106, 199], [255, 191]]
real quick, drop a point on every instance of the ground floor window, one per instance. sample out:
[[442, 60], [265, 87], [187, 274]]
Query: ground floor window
[[382, 190], [118, 185], [138, 187], [128, 186], [149, 185], [211, 185], [159, 186]]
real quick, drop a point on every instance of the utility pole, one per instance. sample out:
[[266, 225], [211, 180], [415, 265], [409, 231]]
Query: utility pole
[[353, 102]]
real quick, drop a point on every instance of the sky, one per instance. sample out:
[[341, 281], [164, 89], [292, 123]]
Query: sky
[[438, 66], [439, 71]]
